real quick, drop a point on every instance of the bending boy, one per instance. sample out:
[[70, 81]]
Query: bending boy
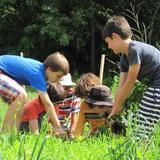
[[16, 71], [138, 61]]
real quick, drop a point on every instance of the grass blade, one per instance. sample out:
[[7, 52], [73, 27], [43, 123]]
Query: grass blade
[[33, 151], [41, 149], [20, 146]]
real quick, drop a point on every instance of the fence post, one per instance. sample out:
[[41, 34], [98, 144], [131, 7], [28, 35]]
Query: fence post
[[102, 68], [21, 54]]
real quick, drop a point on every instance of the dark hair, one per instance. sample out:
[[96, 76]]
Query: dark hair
[[57, 62], [119, 25], [86, 82], [55, 91]]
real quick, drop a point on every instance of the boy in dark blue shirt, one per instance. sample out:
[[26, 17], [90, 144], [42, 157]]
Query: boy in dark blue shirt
[[139, 61]]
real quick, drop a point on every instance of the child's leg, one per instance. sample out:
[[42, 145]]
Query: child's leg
[[33, 125], [148, 112], [14, 114], [17, 98], [24, 127]]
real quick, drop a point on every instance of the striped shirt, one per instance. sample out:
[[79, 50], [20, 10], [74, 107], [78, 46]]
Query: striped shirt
[[70, 106]]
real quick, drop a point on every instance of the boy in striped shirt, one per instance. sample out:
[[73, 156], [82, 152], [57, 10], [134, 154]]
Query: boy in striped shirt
[[68, 111]]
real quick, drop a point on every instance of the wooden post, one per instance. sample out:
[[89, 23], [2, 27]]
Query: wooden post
[[21, 54], [102, 68], [93, 44]]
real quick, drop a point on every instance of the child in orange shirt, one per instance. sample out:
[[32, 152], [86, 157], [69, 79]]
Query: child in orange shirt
[[95, 114], [86, 82], [35, 110], [94, 109]]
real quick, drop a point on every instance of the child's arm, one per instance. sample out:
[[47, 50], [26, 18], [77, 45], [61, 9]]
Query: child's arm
[[124, 90], [74, 119], [80, 123], [51, 112], [75, 108]]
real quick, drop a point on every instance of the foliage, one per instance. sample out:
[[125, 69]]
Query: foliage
[[105, 145], [40, 27]]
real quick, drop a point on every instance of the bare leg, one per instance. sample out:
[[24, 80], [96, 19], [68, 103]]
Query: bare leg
[[14, 113], [33, 125]]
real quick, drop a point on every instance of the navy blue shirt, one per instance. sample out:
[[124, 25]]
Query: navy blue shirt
[[148, 57]]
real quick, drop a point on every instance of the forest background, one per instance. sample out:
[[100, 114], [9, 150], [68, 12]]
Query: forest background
[[40, 27]]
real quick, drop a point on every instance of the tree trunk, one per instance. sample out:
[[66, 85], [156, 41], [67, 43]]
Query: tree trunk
[[93, 45]]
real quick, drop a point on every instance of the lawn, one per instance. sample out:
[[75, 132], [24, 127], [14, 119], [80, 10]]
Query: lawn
[[14, 146]]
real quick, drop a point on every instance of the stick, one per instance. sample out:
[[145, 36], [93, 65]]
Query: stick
[[102, 68], [21, 54]]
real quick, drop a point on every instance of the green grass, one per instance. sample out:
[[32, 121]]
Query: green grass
[[14, 146]]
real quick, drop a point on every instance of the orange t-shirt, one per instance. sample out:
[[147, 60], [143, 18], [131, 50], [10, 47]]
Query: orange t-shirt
[[33, 109], [85, 115]]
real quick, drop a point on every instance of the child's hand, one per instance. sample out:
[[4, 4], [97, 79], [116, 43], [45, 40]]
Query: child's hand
[[60, 132], [70, 135]]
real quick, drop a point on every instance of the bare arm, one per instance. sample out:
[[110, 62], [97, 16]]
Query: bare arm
[[51, 112], [80, 122], [126, 84], [74, 120]]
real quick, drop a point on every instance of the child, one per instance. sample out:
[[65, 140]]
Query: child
[[16, 71], [86, 82], [139, 61], [71, 105], [34, 110], [94, 109]]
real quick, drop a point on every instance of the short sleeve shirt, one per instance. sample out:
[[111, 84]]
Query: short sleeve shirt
[[33, 109], [70, 105], [149, 59], [24, 70]]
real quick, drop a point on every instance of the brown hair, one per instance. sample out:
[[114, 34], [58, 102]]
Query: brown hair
[[55, 91], [86, 82], [119, 25], [57, 62]]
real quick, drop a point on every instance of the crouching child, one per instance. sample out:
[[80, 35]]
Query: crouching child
[[69, 109], [94, 109], [35, 110]]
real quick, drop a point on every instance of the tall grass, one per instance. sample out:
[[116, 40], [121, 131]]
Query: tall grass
[[14, 146]]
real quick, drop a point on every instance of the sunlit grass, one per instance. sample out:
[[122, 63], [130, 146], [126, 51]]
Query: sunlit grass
[[14, 146]]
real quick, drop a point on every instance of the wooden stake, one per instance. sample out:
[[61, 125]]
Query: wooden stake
[[102, 68], [21, 54]]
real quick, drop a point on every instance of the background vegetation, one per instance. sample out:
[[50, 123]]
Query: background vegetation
[[40, 27], [103, 146]]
